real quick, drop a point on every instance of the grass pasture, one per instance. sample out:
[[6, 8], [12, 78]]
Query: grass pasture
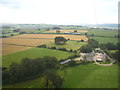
[[108, 33], [105, 39], [91, 76], [33, 53], [69, 45], [63, 31], [82, 76]]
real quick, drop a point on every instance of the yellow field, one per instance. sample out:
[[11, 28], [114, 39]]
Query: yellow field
[[7, 49], [51, 36], [25, 41], [21, 41], [63, 31]]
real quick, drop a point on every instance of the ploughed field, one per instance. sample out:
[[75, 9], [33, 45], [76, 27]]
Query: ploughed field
[[25, 41], [63, 31]]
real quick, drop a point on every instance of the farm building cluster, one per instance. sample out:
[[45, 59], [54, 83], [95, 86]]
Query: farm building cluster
[[95, 55]]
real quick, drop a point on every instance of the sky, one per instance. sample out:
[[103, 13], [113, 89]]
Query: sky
[[64, 12]]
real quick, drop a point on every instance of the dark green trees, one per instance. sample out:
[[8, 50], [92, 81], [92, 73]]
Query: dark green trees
[[53, 80]]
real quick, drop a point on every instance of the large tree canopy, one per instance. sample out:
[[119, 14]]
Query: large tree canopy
[[60, 40]]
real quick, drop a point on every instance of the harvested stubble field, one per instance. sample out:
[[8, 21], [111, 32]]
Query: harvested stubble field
[[51, 36], [7, 49], [27, 42], [12, 45], [63, 31]]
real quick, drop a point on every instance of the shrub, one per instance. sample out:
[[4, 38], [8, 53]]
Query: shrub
[[53, 47], [72, 63], [62, 49], [42, 46]]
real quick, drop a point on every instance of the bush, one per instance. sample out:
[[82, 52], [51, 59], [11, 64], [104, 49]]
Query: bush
[[73, 56], [75, 51], [22, 32], [62, 49], [85, 62], [72, 63], [71, 50], [53, 47], [4, 36], [42, 46], [86, 49], [12, 35]]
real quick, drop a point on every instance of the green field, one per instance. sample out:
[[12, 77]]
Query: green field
[[9, 34], [82, 76], [69, 45], [91, 76], [110, 33], [33, 53], [105, 40]]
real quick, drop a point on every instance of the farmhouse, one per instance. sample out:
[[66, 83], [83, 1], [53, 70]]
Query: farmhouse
[[96, 55]]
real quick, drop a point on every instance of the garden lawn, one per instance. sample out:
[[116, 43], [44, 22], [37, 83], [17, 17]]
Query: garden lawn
[[33, 53], [91, 76], [69, 45]]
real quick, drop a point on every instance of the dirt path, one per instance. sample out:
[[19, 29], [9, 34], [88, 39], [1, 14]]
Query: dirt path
[[104, 64]]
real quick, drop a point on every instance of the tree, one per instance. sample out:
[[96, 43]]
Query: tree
[[72, 63], [75, 51], [53, 47], [54, 78], [93, 43], [62, 49], [82, 40], [71, 50], [86, 49], [42, 46], [57, 31], [56, 28], [51, 62], [14, 74], [48, 84], [75, 30], [12, 34], [116, 55], [60, 40], [86, 34]]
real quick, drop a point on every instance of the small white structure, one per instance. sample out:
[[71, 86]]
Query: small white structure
[[65, 61], [77, 33]]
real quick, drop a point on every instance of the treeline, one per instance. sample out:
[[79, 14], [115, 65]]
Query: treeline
[[30, 68], [110, 46], [55, 48], [116, 55]]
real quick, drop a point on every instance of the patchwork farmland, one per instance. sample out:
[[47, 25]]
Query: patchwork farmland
[[25, 41]]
